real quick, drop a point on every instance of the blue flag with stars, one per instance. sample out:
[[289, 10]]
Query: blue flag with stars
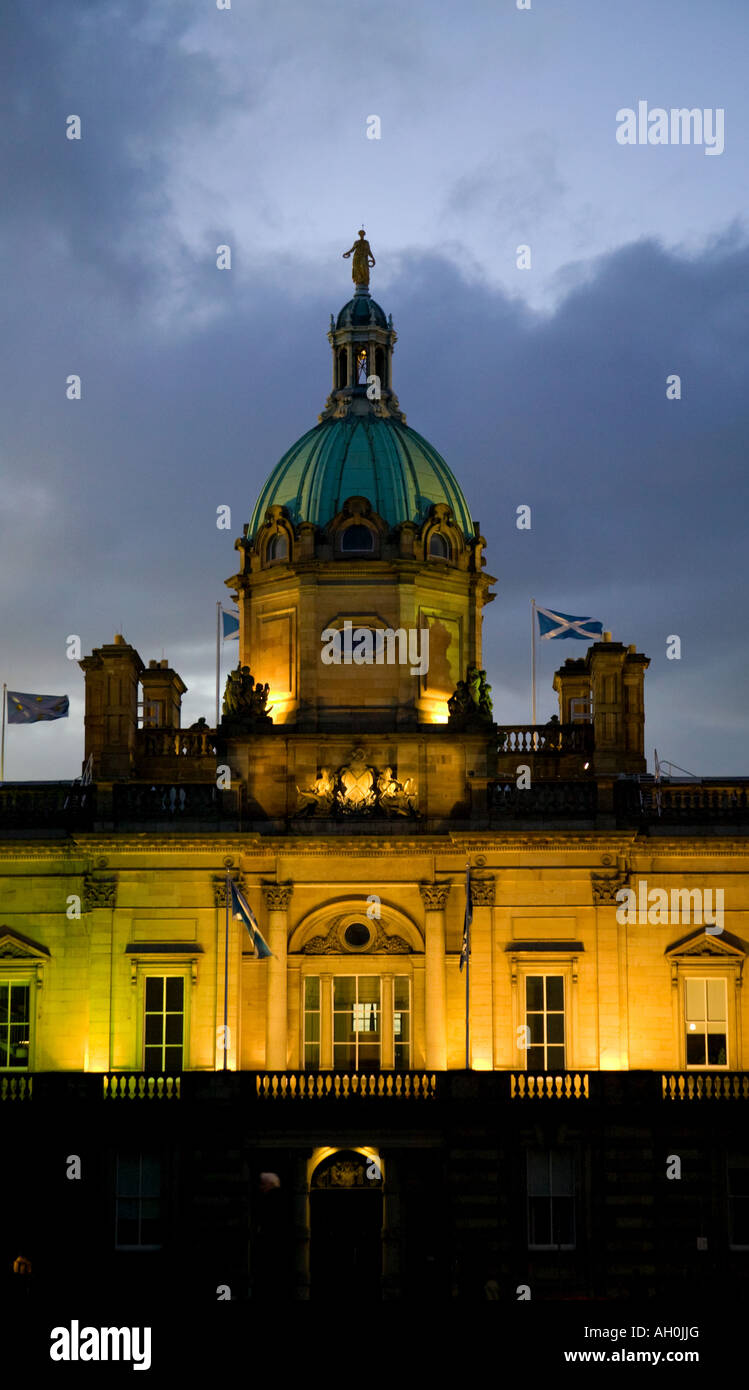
[[30, 709]]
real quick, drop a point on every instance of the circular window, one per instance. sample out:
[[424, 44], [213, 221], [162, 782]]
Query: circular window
[[357, 935]]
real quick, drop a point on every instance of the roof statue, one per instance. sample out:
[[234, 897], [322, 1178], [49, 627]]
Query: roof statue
[[363, 260]]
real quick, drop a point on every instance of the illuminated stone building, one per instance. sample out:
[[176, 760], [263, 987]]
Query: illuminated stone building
[[347, 806]]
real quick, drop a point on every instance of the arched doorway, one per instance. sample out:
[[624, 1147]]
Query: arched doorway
[[346, 1220]]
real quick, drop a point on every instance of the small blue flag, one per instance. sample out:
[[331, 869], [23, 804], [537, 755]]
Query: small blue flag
[[241, 908], [229, 624], [565, 625], [465, 949], [30, 709]]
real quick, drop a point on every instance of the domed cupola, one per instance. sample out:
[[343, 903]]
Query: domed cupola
[[360, 527]]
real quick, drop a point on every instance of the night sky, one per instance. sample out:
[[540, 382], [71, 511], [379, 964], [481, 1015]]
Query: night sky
[[545, 387]]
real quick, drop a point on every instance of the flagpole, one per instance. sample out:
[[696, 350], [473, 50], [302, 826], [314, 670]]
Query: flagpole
[[218, 656], [226, 964], [468, 967], [533, 661], [2, 753]]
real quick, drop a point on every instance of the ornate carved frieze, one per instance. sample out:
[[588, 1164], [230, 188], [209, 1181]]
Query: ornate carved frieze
[[98, 892], [357, 789], [606, 887], [482, 892], [277, 896], [434, 895], [334, 943]]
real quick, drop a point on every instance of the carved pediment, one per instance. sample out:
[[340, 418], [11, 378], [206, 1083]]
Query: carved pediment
[[13, 946], [701, 943], [334, 943]]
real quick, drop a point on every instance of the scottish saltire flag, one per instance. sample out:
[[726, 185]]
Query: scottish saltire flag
[[29, 709], [241, 908], [565, 625], [465, 949], [229, 625]]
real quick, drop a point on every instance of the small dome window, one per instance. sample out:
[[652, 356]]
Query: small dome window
[[278, 547], [439, 546], [357, 538]]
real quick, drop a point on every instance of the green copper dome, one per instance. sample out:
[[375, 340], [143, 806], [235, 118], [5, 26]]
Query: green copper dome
[[384, 460]]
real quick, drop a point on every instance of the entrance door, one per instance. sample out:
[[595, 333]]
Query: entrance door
[[345, 1228]]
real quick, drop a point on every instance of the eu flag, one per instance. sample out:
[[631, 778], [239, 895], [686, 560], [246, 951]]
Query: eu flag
[[30, 709]]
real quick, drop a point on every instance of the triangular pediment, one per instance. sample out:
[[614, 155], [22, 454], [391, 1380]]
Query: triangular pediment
[[705, 944], [14, 946]]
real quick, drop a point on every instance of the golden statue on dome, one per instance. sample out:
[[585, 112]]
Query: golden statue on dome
[[363, 260]]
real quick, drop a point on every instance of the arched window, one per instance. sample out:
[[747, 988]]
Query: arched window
[[342, 368], [439, 546], [278, 547], [380, 366], [357, 538], [362, 365]]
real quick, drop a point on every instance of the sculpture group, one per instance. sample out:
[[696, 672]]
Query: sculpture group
[[357, 789], [245, 700], [471, 704]]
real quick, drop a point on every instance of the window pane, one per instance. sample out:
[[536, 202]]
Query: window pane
[[150, 1176], [19, 1003], [153, 1059], [369, 989], [401, 992], [174, 1028], [4, 1002], [312, 992], [343, 1026], [555, 1028], [536, 1059], [312, 1055], [561, 1172], [402, 1060], [538, 1172], [534, 992], [540, 1221], [695, 997], [535, 1024], [716, 1049], [555, 1058], [174, 993], [554, 992], [695, 1050], [153, 1029], [172, 1058], [128, 1176], [400, 1027], [563, 1232], [154, 992], [344, 990], [716, 1000], [344, 1057], [312, 1028]]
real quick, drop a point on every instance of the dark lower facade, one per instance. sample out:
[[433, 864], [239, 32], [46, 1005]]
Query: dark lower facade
[[468, 1185]]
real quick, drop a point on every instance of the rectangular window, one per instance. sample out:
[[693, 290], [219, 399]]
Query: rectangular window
[[15, 1026], [738, 1203], [705, 1009], [312, 1022], [164, 1030], [357, 1022], [139, 1214], [551, 1199], [544, 1017], [402, 1021]]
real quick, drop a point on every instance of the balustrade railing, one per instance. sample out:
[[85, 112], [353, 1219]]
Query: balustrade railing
[[692, 803], [135, 801], [129, 1086], [540, 1085], [176, 743], [543, 799], [16, 1087], [39, 804], [692, 1085], [343, 1085], [545, 738]]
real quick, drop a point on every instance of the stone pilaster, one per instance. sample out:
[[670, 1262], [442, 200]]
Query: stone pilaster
[[277, 897], [482, 974], [435, 900]]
